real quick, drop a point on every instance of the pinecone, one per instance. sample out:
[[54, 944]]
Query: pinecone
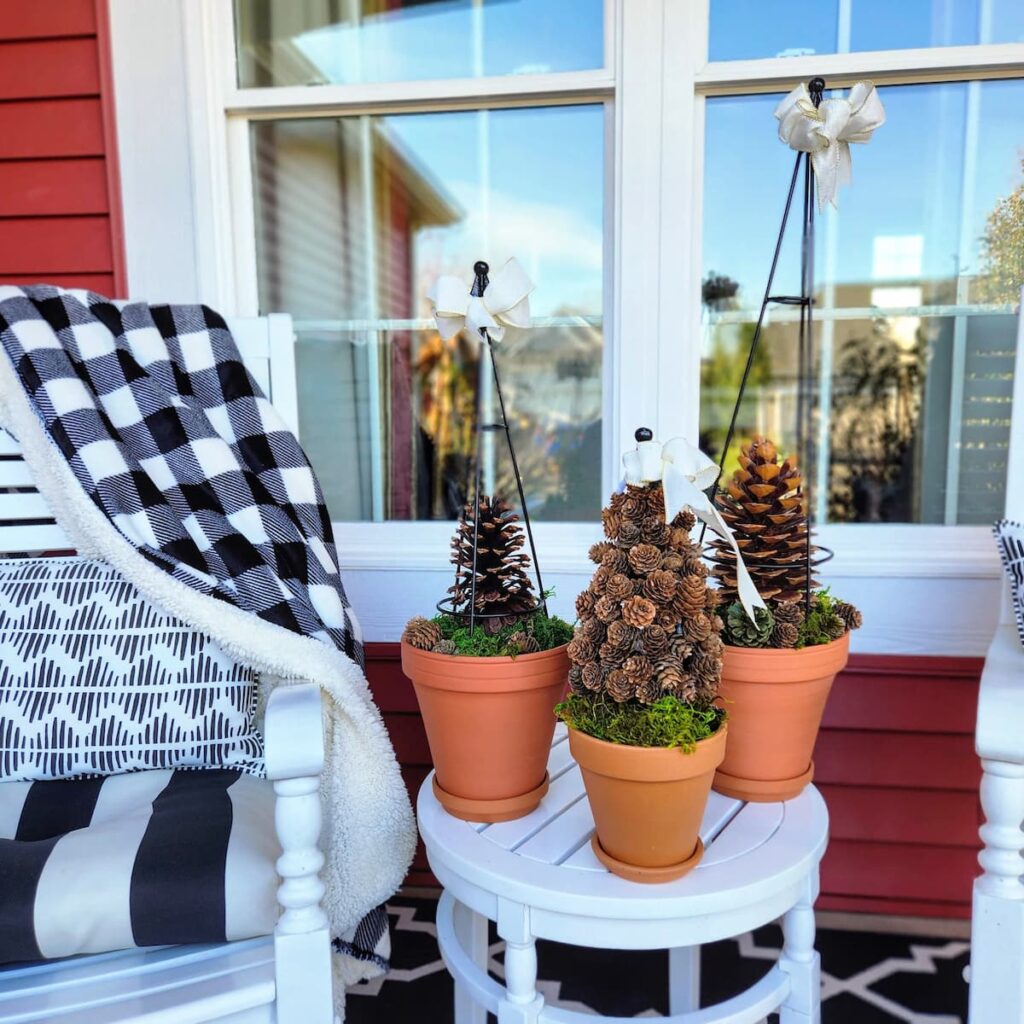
[[849, 614], [689, 599], [615, 560], [619, 587], [670, 675], [619, 686], [660, 586], [655, 641], [622, 636], [594, 630], [740, 631], [634, 508], [612, 656], [638, 611], [585, 604], [672, 561], [680, 648], [576, 678], [762, 505], [612, 522], [648, 692], [597, 551], [522, 642], [835, 627], [667, 618], [580, 650], [607, 609], [685, 520], [789, 611], [644, 558], [629, 535], [697, 629], [785, 634], [592, 675], [654, 530], [422, 634], [712, 598], [599, 581], [638, 668], [444, 647], [503, 589]]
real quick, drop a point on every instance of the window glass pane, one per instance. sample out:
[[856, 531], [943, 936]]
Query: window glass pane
[[917, 277], [314, 42], [743, 29], [356, 217]]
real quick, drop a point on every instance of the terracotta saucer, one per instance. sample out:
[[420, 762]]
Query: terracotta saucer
[[634, 873], [491, 811], [760, 791]]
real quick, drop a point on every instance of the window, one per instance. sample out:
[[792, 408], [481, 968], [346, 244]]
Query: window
[[356, 213], [918, 276]]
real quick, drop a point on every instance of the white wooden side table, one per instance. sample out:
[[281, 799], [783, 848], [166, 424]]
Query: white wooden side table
[[538, 878]]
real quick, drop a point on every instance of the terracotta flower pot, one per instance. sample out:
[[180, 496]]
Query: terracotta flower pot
[[775, 700], [489, 725], [648, 803]]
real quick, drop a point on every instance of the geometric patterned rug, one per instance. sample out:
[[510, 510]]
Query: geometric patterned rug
[[867, 977]]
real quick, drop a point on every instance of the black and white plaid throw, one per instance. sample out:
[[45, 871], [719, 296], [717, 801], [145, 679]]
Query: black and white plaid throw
[[169, 435]]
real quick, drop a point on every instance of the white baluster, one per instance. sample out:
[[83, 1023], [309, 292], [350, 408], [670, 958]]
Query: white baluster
[[800, 960], [522, 1003], [997, 939]]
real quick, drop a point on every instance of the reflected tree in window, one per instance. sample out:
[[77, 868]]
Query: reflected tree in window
[[1003, 249]]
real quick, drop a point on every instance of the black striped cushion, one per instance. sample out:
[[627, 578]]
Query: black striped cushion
[[1010, 537], [95, 680]]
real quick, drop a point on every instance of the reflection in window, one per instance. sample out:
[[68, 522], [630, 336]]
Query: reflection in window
[[744, 29], [917, 276], [356, 217], [316, 42]]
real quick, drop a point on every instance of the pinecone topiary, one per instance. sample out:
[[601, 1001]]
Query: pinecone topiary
[[422, 634], [647, 623], [741, 631], [762, 505]]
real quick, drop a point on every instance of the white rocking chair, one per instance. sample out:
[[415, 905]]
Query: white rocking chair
[[997, 919], [284, 978]]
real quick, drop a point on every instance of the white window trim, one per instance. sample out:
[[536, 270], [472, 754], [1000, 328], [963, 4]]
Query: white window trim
[[655, 86]]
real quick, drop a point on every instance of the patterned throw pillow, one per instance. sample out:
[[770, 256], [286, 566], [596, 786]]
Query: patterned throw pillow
[[96, 680], [1010, 537]]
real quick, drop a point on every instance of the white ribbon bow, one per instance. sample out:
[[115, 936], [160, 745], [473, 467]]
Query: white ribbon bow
[[686, 473], [504, 303], [827, 131]]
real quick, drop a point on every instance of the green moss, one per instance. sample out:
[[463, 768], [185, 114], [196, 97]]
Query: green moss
[[823, 625], [668, 722], [548, 631]]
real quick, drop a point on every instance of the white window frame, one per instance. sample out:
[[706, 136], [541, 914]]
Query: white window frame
[[655, 84]]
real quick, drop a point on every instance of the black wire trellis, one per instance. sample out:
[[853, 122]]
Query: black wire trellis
[[474, 475], [813, 555]]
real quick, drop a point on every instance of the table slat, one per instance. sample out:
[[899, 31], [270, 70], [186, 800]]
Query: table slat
[[564, 792], [752, 827]]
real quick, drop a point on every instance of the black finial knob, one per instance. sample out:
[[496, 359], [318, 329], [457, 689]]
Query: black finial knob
[[480, 270], [816, 86], [644, 434]]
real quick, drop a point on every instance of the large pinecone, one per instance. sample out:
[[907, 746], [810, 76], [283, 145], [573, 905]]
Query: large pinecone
[[763, 506], [504, 591], [647, 623]]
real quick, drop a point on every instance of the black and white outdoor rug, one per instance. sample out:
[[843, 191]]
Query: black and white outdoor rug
[[867, 977]]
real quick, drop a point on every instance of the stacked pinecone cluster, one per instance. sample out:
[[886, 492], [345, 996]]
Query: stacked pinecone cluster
[[763, 505], [647, 622]]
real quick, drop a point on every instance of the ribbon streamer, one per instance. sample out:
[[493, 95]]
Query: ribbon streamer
[[686, 473], [504, 303], [827, 131]]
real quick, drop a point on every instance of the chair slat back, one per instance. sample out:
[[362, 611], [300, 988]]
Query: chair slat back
[[27, 526]]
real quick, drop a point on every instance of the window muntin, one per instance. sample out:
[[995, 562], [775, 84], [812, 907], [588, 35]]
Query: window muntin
[[745, 29], [355, 216], [315, 42], [916, 278]]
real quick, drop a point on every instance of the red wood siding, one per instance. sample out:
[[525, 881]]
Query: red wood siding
[[895, 761], [60, 218]]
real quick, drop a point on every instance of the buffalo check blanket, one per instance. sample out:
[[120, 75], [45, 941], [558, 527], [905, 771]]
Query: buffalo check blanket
[[160, 455]]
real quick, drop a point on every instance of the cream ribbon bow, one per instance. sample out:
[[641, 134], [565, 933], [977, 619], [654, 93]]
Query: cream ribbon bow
[[827, 131], [686, 473], [504, 303]]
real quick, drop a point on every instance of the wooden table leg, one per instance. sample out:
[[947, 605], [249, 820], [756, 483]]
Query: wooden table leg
[[683, 979], [471, 931]]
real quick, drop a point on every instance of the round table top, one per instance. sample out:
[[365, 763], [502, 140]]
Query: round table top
[[544, 860]]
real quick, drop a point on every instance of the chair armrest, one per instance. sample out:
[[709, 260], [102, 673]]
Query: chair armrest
[[293, 731], [1000, 732]]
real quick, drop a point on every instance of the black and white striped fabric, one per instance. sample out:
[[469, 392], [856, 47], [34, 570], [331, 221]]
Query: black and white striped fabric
[[1010, 538], [150, 858], [96, 680], [169, 435]]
